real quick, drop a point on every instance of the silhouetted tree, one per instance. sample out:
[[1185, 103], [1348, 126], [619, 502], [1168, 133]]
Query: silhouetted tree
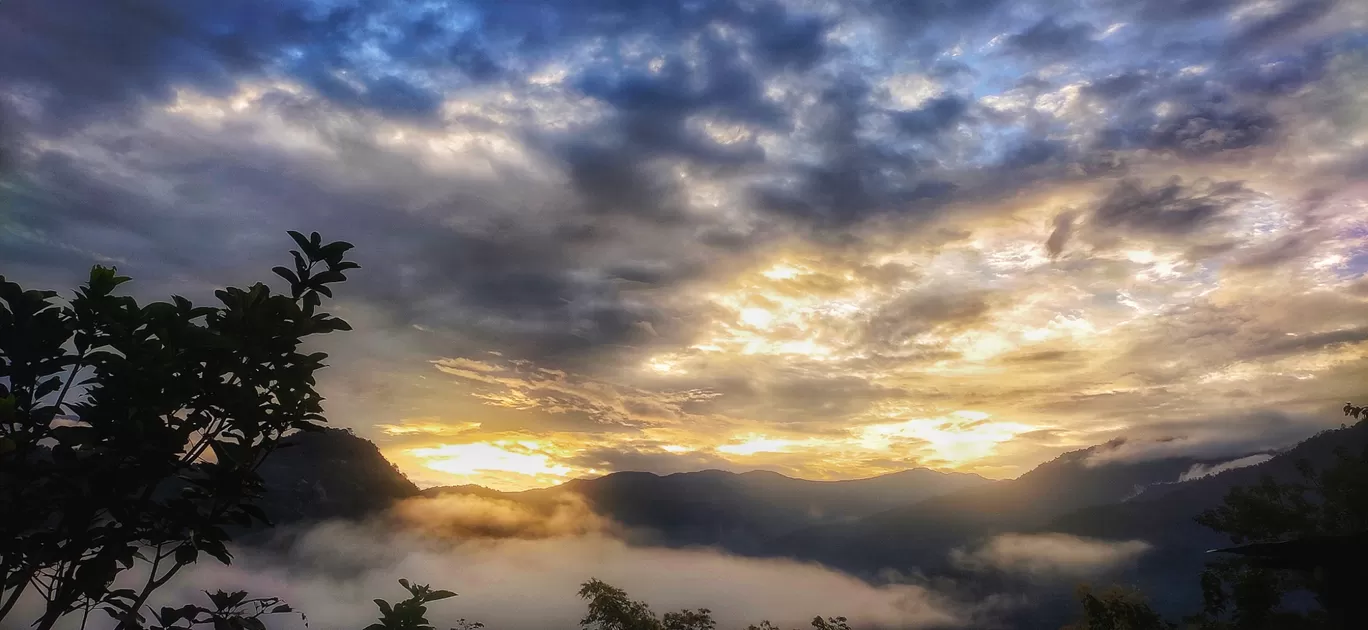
[[132, 433], [230, 611], [829, 623], [1117, 608], [610, 608], [411, 614]]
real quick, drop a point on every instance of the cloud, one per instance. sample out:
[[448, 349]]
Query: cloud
[[1207, 438], [1059, 237], [469, 517], [1201, 470], [333, 571], [1172, 208], [1049, 555], [1049, 38], [1086, 218]]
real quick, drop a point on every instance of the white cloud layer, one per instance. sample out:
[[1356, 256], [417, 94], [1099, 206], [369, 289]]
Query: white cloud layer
[[1049, 555]]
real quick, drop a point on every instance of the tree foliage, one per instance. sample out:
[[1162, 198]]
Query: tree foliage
[[411, 614], [1117, 608], [610, 608], [132, 433]]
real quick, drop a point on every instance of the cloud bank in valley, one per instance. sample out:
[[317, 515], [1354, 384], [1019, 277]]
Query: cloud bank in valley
[[530, 584], [1049, 555]]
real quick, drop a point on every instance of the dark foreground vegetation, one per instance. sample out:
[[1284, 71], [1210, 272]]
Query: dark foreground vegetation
[[133, 439]]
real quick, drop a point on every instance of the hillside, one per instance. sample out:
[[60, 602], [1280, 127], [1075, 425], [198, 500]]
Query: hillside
[[1164, 516], [920, 534], [330, 474]]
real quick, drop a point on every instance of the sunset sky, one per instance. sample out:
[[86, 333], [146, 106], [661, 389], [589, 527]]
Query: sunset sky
[[830, 239]]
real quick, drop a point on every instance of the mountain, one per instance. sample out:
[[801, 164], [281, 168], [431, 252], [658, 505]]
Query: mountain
[[919, 535], [739, 512], [1164, 516], [330, 474]]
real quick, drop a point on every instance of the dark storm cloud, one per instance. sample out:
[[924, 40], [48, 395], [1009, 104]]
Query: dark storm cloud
[[1117, 86], [1278, 253], [919, 15], [1049, 38], [857, 177], [1277, 345], [1292, 18], [936, 116], [1059, 237], [95, 59], [899, 322], [1172, 208], [1204, 132]]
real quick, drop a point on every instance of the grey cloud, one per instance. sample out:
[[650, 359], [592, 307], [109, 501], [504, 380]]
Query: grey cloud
[[896, 324], [936, 116], [1290, 19], [1301, 344], [1216, 437], [1283, 250], [1051, 39], [1172, 208], [919, 15], [1204, 132], [1117, 86], [1050, 555], [857, 178], [1059, 237]]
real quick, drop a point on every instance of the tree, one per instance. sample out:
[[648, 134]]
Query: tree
[[1117, 608], [411, 614], [132, 433], [230, 611], [610, 608]]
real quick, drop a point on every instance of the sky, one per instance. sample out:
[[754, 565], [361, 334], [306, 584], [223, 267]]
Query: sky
[[829, 239]]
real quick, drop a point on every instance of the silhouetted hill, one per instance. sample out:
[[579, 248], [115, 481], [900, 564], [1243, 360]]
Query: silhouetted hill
[[1164, 516], [921, 534], [739, 512], [330, 474]]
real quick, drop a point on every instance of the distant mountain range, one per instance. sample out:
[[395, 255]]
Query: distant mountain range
[[742, 512], [904, 521]]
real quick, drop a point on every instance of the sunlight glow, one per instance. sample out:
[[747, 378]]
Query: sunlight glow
[[470, 459], [959, 438], [757, 444]]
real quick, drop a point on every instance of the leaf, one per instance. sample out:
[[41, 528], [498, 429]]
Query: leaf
[[283, 608], [300, 239], [168, 616], [437, 595], [286, 274], [187, 554], [334, 251]]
